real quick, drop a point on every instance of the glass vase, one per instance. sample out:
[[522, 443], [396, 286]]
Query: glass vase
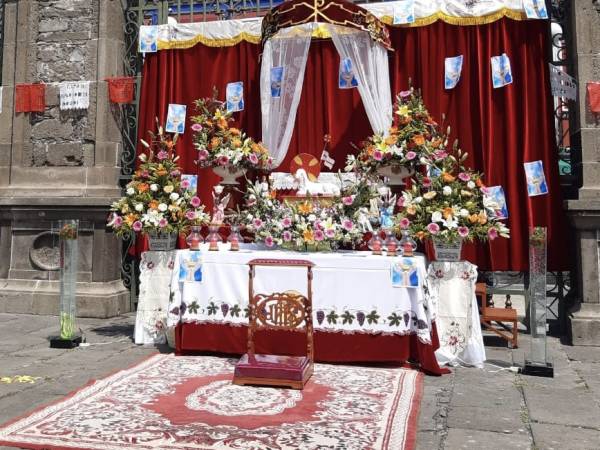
[[375, 243], [407, 244], [234, 238], [213, 237], [194, 239], [537, 294], [391, 243], [68, 232]]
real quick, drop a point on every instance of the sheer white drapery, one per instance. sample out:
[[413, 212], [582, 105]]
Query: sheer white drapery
[[287, 49], [371, 69]]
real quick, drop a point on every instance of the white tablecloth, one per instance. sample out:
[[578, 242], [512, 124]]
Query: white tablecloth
[[452, 291], [352, 291]]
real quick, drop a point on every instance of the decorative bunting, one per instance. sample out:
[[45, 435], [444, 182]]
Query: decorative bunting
[[404, 12], [453, 69], [501, 72], [593, 95], [30, 98], [148, 39], [235, 96], [347, 80], [536, 180], [176, 118], [535, 9], [74, 95], [121, 89], [276, 81], [562, 84]]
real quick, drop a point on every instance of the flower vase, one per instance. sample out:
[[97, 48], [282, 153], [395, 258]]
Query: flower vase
[[407, 244], [234, 238], [229, 174], [161, 242], [395, 174], [447, 251], [375, 243], [391, 243], [213, 237], [194, 239]]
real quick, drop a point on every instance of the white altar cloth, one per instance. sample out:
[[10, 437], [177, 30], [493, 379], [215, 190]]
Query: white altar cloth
[[452, 291]]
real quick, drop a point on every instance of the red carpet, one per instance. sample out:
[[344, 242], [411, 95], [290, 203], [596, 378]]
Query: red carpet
[[188, 402]]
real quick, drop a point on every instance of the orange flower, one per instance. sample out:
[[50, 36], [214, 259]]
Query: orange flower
[[236, 143], [152, 204], [137, 173], [482, 218], [390, 140], [393, 130], [235, 131], [479, 183], [447, 212], [308, 235], [130, 218], [420, 235], [214, 142], [436, 143], [411, 210], [209, 123], [255, 147], [370, 150], [161, 172], [143, 187], [418, 139], [473, 218], [305, 208], [447, 177], [222, 123], [405, 120]]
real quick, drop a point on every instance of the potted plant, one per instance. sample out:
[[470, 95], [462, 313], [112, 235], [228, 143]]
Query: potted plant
[[155, 202], [227, 150]]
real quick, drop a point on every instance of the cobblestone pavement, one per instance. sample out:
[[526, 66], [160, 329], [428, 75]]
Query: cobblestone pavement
[[468, 409]]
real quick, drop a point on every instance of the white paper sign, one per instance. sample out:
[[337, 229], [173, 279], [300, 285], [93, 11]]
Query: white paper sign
[[562, 84], [74, 95]]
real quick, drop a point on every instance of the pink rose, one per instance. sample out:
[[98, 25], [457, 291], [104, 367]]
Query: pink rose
[[162, 155], [196, 127], [464, 176], [463, 231], [404, 223], [203, 154], [377, 155], [253, 158], [411, 155], [163, 223], [492, 234], [195, 201], [257, 223], [287, 236], [330, 233], [185, 184], [426, 182], [348, 200], [433, 228], [405, 94], [223, 160], [117, 221], [137, 226], [269, 241], [440, 154], [348, 224], [145, 174], [190, 215], [319, 236], [286, 222]]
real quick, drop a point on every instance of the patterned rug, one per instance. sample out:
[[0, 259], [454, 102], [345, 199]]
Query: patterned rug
[[189, 402]]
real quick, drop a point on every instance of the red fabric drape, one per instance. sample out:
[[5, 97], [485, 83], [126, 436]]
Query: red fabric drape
[[499, 128]]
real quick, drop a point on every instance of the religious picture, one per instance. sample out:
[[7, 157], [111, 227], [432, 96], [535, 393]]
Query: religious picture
[[404, 12], [501, 72], [276, 81], [189, 183], [405, 273], [496, 194], [235, 96], [536, 180], [535, 9], [453, 69], [347, 78], [176, 118], [190, 267], [148, 39]]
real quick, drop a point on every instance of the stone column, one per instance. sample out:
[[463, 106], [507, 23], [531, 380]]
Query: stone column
[[585, 212], [60, 164]]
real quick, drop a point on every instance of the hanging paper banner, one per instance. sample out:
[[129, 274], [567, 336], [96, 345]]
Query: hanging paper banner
[[405, 273], [496, 195], [347, 80], [74, 95], [593, 95], [30, 98], [276, 81], [235, 96], [536, 180], [562, 84], [453, 69], [148, 39], [189, 183], [501, 72], [190, 267], [404, 12], [176, 118], [535, 9]]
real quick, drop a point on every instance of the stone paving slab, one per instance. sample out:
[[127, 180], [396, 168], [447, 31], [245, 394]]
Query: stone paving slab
[[460, 438], [558, 437]]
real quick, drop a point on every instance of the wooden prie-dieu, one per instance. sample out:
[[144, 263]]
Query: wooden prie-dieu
[[288, 311]]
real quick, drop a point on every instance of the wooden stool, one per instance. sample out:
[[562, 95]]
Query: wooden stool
[[491, 314]]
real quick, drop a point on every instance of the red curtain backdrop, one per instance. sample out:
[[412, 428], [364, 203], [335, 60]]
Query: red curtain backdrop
[[499, 128]]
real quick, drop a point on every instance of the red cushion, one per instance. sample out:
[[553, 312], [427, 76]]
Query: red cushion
[[272, 366]]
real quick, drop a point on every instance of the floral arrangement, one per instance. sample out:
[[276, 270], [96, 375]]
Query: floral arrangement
[[412, 142], [68, 231], [309, 224], [156, 199], [449, 204], [218, 144]]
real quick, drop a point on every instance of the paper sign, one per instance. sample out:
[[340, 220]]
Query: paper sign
[[235, 96], [74, 95], [190, 267], [501, 72], [496, 194], [347, 80], [405, 273], [562, 84], [276, 81], [189, 183], [536, 180], [535, 9], [148, 39], [176, 118], [404, 12], [453, 69]]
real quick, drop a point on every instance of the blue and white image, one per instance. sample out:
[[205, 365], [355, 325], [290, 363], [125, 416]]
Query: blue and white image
[[536, 180], [148, 39], [347, 79], [404, 12], [276, 81], [535, 9], [501, 72], [190, 267], [176, 118], [405, 273], [496, 193], [235, 96], [190, 182], [453, 69]]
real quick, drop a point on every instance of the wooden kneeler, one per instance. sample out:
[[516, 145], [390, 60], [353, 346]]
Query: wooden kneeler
[[286, 311]]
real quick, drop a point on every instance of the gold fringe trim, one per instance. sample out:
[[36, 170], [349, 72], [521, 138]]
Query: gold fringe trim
[[209, 42], [462, 21]]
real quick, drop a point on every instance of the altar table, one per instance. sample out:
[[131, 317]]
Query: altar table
[[358, 315]]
